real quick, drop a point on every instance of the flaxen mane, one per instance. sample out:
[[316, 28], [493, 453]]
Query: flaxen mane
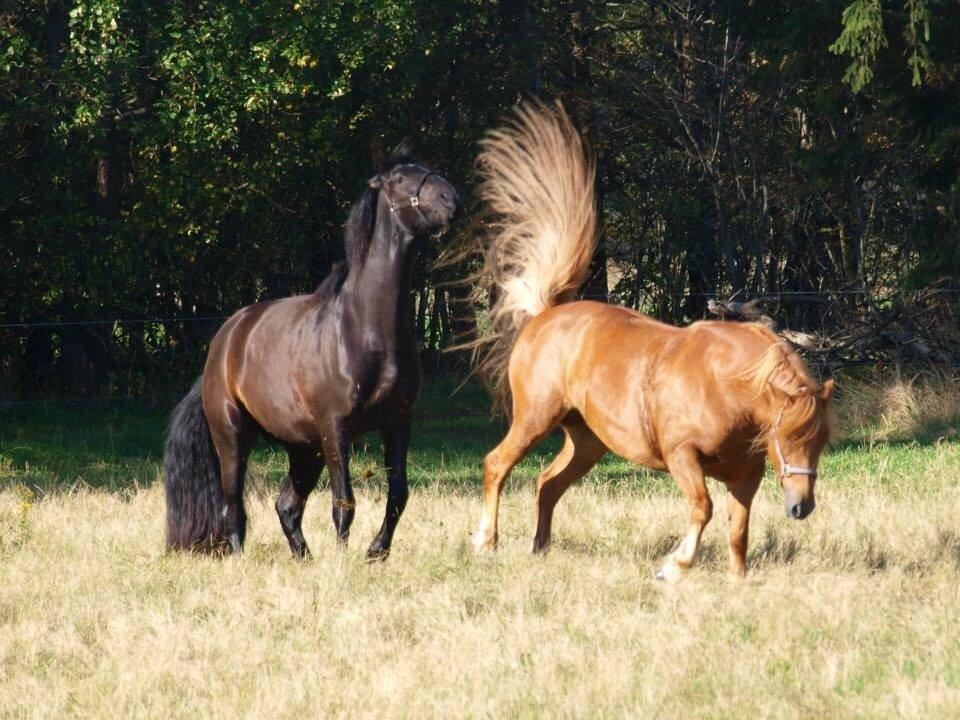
[[783, 378]]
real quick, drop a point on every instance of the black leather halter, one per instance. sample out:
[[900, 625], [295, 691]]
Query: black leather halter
[[414, 202]]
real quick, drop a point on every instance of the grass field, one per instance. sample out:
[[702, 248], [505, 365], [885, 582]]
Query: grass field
[[851, 613]]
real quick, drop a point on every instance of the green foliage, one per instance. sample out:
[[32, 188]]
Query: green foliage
[[183, 159], [918, 38], [862, 38]]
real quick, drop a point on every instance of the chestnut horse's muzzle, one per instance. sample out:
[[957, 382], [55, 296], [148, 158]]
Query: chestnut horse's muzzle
[[798, 508]]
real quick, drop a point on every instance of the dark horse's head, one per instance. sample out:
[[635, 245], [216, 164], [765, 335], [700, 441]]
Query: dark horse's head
[[422, 201]]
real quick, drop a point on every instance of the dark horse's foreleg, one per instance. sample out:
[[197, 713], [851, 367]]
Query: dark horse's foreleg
[[234, 432], [305, 467], [336, 452], [396, 442]]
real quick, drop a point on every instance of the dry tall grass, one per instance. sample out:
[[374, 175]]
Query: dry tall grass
[[898, 407], [851, 613]]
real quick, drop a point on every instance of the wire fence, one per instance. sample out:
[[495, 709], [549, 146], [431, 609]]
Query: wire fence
[[154, 360]]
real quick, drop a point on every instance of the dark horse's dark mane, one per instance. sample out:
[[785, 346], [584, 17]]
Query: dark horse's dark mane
[[358, 230]]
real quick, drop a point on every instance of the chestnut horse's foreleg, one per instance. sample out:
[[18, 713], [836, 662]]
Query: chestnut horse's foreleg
[[739, 499], [396, 442], [685, 467], [581, 451], [305, 467], [336, 453]]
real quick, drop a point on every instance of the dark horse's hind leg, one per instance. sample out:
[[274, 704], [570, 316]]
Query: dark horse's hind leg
[[395, 445], [336, 453], [234, 432], [305, 467]]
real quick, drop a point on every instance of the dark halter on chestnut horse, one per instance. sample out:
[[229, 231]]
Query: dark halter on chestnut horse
[[711, 399], [312, 372]]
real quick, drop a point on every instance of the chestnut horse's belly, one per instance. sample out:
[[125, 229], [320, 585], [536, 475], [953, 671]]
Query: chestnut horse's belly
[[614, 405], [597, 359]]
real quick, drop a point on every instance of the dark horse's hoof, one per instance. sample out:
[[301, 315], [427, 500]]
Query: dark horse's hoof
[[236, 544], [377, 553]]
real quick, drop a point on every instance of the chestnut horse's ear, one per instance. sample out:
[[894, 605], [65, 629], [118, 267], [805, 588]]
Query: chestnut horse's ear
[[376, 182], [789, 384], [826, 392]]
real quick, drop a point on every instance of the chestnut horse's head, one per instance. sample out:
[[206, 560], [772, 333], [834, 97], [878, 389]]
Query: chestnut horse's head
[[797, 424], [794, 444]]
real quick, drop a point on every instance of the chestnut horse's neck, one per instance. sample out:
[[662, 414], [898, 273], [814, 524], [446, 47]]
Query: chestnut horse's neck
[[378, 289]]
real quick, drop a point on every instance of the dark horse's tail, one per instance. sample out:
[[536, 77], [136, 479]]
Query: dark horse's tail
[[195, 500]]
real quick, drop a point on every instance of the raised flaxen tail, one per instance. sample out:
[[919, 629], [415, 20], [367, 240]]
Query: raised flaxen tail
[[537, 182], [195, 501]]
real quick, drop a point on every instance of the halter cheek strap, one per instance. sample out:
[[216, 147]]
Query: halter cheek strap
[[786, 469]]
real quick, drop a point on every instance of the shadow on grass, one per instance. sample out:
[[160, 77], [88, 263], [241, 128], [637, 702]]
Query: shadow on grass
[[54, 448], [927, 435]]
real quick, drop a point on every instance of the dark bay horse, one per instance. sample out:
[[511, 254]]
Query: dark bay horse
[[710, 399], [312, 372]]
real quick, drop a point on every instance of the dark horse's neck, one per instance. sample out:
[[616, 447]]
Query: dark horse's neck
[[378, 291]]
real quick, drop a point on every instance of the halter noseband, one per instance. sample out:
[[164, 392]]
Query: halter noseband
[[786, 469], [414, 202]]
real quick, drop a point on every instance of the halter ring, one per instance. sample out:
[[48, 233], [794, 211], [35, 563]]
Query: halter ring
[[413, 202]]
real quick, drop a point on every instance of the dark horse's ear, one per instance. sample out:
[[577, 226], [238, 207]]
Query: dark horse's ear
[[403, 152]]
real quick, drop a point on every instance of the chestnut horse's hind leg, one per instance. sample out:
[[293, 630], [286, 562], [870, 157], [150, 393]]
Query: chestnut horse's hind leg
[[739, 498], [581, 451], [305, 467], [524, 433], [685, 467], [396, 442]]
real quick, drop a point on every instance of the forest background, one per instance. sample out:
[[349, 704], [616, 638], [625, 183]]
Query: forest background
[[163, 164]]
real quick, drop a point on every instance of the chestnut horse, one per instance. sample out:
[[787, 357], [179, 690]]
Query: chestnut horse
[[709, 399], [312, 372]]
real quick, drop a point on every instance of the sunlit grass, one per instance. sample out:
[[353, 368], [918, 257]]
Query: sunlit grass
[[851, 613]]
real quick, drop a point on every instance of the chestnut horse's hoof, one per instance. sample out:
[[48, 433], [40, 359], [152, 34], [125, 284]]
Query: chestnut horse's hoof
[[483, 544], [670, 572]]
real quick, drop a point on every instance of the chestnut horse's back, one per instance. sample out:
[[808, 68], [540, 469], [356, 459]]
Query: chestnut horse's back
[[641, 386]]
